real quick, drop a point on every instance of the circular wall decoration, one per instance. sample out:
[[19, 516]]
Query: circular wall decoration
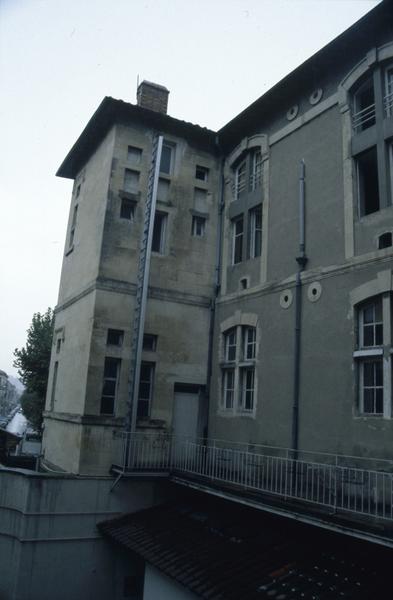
[[314, 291], [286, 298], [292, 112], [316, 96]]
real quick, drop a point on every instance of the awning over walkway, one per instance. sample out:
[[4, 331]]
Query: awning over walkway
[[220, 550]]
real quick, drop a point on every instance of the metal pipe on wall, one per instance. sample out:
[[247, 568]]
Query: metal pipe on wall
[[301, 261]]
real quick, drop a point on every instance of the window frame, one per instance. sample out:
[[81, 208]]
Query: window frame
[[240, 178], [198, 226], [256, 177], [239, 363], [106, 379], [255, 231], [237, 240], [172, 148], [162, 234], [142, 414]]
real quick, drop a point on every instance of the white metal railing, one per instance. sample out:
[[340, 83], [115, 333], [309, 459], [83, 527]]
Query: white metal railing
[[388, 101], [364, 118], [348, 483]]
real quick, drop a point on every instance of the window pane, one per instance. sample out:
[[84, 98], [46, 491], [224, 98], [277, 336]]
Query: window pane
[[158, 233], [107, 406], [368, 188], [368, 374], [368, 314], [110, 369], [379, 401], [368, 335], [368, 400], [127, 209], [115, 337], [144, 390], [143, 408], [378, 373], [109, 387], [166, 155], [378, 335]]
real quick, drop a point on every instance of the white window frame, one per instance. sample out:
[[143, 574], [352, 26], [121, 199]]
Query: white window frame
[[228, 389], [378, 352], [239, 353], [171, 147], [237, 239], [256, 170], [240, 179], [198, 227], [255, 229]]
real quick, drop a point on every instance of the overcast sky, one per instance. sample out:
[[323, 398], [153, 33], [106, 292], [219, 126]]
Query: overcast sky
[[59, 58]]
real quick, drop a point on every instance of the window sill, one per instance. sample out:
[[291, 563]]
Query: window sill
[[133, 196], [364, 353]]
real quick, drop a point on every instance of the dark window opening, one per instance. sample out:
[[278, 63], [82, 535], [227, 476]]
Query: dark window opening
[[115, 337], [364, 107], [237, 241], [198, 226], [127, 209], [166, 158], [385, 240], [158, 243], [368, 189], [149, 342], [201, 173]]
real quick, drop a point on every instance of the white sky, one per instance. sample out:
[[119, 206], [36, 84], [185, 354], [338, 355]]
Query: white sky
[[59, 58]]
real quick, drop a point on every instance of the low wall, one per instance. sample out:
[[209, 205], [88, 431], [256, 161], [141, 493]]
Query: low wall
[[49, 544]]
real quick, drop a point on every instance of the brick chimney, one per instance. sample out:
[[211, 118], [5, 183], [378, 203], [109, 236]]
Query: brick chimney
[[152, 96]]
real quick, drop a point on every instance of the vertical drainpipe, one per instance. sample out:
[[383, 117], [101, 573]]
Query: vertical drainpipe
[[217, 285], [301, 261]]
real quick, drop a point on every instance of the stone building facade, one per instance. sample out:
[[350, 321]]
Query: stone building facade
[[277, 343]]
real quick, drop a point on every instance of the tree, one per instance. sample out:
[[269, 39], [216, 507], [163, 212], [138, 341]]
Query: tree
[[32, 363]]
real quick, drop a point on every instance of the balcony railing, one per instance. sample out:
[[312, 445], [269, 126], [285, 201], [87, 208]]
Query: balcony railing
[[345, 483], [364, 118], [388, 101]]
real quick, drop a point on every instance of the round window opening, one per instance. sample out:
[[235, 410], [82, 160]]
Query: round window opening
[[316, 96], [286, 298], [314, 291], [292, 112]]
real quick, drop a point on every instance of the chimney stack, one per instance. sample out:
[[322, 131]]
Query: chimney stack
[[152, 96]]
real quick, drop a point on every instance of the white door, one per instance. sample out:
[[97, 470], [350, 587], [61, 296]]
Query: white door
[[185, 429]]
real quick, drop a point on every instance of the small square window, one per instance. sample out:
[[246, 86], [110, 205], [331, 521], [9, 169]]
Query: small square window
[[127, 209], [115, 337], [198, 226], [201, 173], [134, 155], [149, 342]]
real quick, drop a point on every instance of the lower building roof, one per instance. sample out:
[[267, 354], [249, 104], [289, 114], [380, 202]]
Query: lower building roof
[[223, 551]]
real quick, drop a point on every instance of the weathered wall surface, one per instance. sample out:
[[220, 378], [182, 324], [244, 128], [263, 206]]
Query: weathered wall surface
[[49, 544]]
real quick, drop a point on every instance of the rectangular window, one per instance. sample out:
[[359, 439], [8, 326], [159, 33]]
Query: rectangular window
[[256, 174], [371, 324], [371, 387], [237, 240], [255, 232], [240, 179], [109, 388], [158, 243], [163, 190], [230, 345], [115, 337], [131, 181], [367, 182], [73, 226], [364, 107], [127, 209], [201, 173], [145, 389], [247, 388], [198, 226], [134, 155], [200, 200], [167, 158], [249, 341], [54, 382], [228, 386], [149, 342]]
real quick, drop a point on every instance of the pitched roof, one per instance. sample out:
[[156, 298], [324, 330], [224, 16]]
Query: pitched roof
[[223, 551]]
